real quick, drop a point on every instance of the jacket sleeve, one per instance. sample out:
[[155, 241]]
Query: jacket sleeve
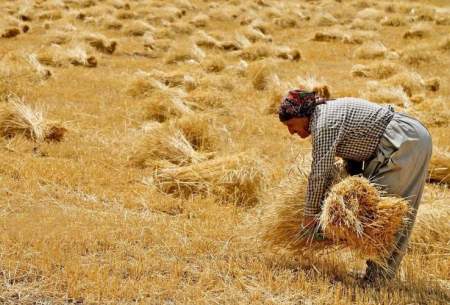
[[324, 143]]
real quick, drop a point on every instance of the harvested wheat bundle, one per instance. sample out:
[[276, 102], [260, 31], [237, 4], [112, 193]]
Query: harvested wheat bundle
[[17, 118], [432, 226], [365, 25], [200, 20], [274, 97], [287, 53], [433, 84], [359, 37], [199, 131], [110, 23], [377, 70], [445, 44], [235, 179], [262, 76], [138, 28], [370, 14], [311, 83], [394, 21], [370, 50], [203, 39], [420, 30], [411, 82], [78, 56], [166, 104], [417, 55], [355, 215], [207, 98], [325, 19], [165, 146], [255, 35], [439, 167], [183, 53], [328, 35], [9, 33], [42, 72], [284, 212], [214, 64], [256, 51], [100, 43], [435, 119], [143, 84], [377, 92], [285, 22], [58, 37]]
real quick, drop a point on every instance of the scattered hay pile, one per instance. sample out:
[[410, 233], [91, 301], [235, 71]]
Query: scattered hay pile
[[378, 70], [283, 215], [18, 118], [56, 56], [439, 168], [311, 83], [356, 215], [379, 93], [165, 147], [164, 105], [371, 50], [234, 178]]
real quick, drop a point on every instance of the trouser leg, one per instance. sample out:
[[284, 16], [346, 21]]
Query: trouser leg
[[403, 174]]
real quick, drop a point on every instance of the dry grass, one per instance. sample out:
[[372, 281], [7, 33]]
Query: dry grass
[[356, 215], [376, 70], [80, 225], [165, 147], [19, 119], [235, 179], [370, 50], [380, 93], [439, 170]]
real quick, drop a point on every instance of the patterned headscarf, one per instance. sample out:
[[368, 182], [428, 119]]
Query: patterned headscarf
[[299, 103]]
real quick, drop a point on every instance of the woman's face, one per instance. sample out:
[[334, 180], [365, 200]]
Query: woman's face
[[299, 126]]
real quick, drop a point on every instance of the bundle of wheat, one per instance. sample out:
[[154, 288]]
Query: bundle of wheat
[[184, 53], [377, 70], [262, 76], [165, 146], [100, 43], [311, 83], [199, 131], [256, 51], [370, 50], [412, 83], [10, 33], [354, 214], [18, 118], [439, 168], [432, 225], [166, 104], [235, 179], [420, 30], [284, 213], [377, 92]]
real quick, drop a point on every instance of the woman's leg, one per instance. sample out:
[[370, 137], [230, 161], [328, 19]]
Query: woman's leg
[[402, 174]]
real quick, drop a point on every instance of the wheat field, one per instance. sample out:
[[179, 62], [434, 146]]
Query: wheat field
[[139, 146]]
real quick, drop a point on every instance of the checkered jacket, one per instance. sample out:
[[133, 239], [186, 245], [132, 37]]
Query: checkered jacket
[[349, 128]]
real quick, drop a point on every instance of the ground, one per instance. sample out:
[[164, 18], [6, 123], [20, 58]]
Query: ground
[[83, 223]]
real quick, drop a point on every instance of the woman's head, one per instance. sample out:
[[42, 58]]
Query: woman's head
[[296, 109]]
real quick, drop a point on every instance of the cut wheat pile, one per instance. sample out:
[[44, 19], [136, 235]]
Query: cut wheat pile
[[235, 179], [18, 118], [354, 215], [440, 165]]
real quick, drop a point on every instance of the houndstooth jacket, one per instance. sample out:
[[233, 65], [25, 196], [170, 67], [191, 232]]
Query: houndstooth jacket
[[349, 128]]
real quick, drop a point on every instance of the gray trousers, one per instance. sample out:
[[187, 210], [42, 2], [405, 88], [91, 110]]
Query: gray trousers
[[400, 167]]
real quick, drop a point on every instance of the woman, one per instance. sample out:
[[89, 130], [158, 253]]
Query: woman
[[389, 148]]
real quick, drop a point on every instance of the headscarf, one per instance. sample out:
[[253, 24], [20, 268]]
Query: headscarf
[[299, 103]]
